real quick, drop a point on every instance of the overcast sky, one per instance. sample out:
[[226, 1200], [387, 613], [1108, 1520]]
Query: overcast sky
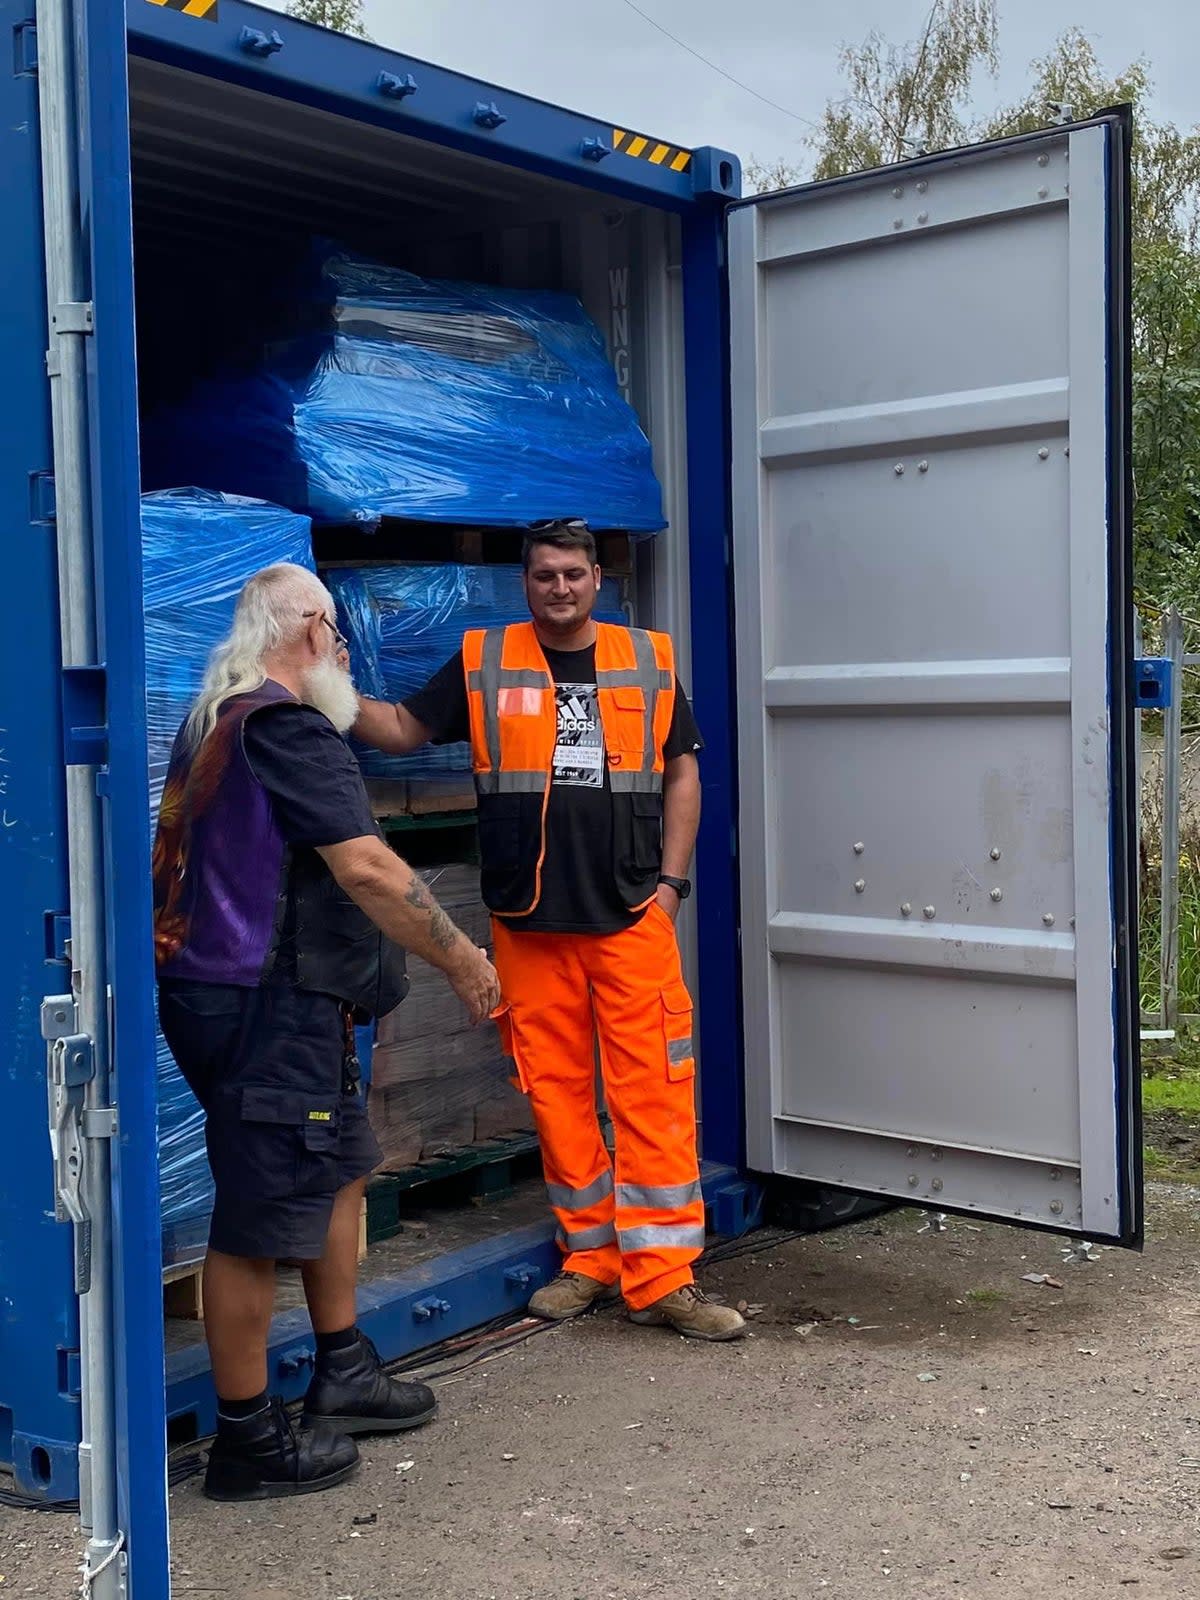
[[606, 60]]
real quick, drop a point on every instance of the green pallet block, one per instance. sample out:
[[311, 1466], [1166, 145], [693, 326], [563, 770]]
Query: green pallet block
[[483, 1173]]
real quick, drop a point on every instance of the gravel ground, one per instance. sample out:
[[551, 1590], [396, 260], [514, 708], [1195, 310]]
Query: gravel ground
[[910, 1419]]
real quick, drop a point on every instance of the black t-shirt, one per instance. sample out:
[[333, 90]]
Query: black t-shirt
[[316, 789], [579, 890]]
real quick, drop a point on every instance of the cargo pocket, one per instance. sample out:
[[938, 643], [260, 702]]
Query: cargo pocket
[[677, 1019], [503, 1018], [293, 1139], [500, 825]]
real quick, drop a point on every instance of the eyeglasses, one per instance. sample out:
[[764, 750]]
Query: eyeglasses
[[340, 641]]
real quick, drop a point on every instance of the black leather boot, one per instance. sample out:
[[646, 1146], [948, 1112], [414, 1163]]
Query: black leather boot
[[351, 1393], [267, 1456]]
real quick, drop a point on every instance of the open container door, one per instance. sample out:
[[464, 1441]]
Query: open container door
[[932, 564], [100, 1035]]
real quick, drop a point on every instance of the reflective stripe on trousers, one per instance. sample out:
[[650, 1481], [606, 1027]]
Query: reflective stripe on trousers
[[645, 1223]]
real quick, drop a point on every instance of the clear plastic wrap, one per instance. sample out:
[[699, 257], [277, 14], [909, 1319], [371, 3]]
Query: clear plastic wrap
[[404, 622], [431, 401], [198, 548]]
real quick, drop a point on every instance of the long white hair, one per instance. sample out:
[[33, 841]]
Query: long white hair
[[270, 613]]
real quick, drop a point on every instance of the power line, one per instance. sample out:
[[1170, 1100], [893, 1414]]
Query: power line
[[721, 72]]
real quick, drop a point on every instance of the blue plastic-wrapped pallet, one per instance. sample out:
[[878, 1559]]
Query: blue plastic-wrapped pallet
[[403, 397], [198, 548], [404, 622]]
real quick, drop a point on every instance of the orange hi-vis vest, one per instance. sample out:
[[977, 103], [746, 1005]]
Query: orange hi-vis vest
[[514, 730]]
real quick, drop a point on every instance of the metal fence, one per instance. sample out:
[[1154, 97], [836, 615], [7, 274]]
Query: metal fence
[[1167, 799]]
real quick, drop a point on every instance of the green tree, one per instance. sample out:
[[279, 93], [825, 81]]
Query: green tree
[[900, 98], [1166, 422], [905, 98], [342, 16]]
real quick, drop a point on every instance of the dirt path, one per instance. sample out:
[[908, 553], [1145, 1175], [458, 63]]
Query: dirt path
[[969, 1434]]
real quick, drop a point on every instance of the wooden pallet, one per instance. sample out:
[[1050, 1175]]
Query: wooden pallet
[[183, 1286]]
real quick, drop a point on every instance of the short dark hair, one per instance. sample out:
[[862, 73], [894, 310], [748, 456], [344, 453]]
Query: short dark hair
[[564, 533]]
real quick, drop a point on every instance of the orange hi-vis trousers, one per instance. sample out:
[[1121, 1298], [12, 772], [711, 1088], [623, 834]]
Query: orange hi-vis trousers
[[562, 992]]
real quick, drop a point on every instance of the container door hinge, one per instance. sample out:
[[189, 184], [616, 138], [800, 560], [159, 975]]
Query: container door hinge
[[70, 1067], [25, 52], [42, 507], [85, 716]]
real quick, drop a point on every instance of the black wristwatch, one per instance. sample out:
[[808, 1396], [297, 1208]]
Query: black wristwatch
[[681, 886]]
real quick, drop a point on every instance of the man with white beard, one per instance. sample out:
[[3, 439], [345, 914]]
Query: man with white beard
[[281, 918]]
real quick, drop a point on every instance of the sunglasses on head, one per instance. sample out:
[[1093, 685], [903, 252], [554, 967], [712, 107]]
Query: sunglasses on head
[[553, 524]]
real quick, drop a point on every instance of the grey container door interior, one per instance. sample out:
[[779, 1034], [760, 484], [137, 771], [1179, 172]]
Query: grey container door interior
[[930, 562]]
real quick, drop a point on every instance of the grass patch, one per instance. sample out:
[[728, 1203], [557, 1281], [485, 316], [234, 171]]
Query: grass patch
[[985, 1297], [1172, 1086]]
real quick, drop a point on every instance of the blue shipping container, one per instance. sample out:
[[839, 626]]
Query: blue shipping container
[[894, 408]]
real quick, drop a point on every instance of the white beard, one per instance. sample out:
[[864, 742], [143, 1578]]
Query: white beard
[[331, 691]]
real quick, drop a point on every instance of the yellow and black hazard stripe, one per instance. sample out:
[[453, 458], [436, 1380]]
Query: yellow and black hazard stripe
[[206, 9], [652, 150]]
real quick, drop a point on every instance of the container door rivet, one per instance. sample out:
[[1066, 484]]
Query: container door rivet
[[913, 1180], [997, 894], [922, 466], [859, 848], [1043, 454], [860, 885], [1048, 918], [994, 852], [906, 909], [936, 1186], [898, 469], [1056, 1207], [930, 913]]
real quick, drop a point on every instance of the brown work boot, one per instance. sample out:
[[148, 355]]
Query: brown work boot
[[691, 1313], [569, 1294]]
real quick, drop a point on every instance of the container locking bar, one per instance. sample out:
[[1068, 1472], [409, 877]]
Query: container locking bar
[[70, 1066]]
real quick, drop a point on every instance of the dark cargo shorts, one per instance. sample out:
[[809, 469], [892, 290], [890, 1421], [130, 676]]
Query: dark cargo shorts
[[283, 1134]]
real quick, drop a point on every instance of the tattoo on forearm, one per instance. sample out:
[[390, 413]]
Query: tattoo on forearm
[[442, 930]]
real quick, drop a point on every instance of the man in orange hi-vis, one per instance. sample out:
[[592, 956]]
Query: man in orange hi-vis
[[584, 753]]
